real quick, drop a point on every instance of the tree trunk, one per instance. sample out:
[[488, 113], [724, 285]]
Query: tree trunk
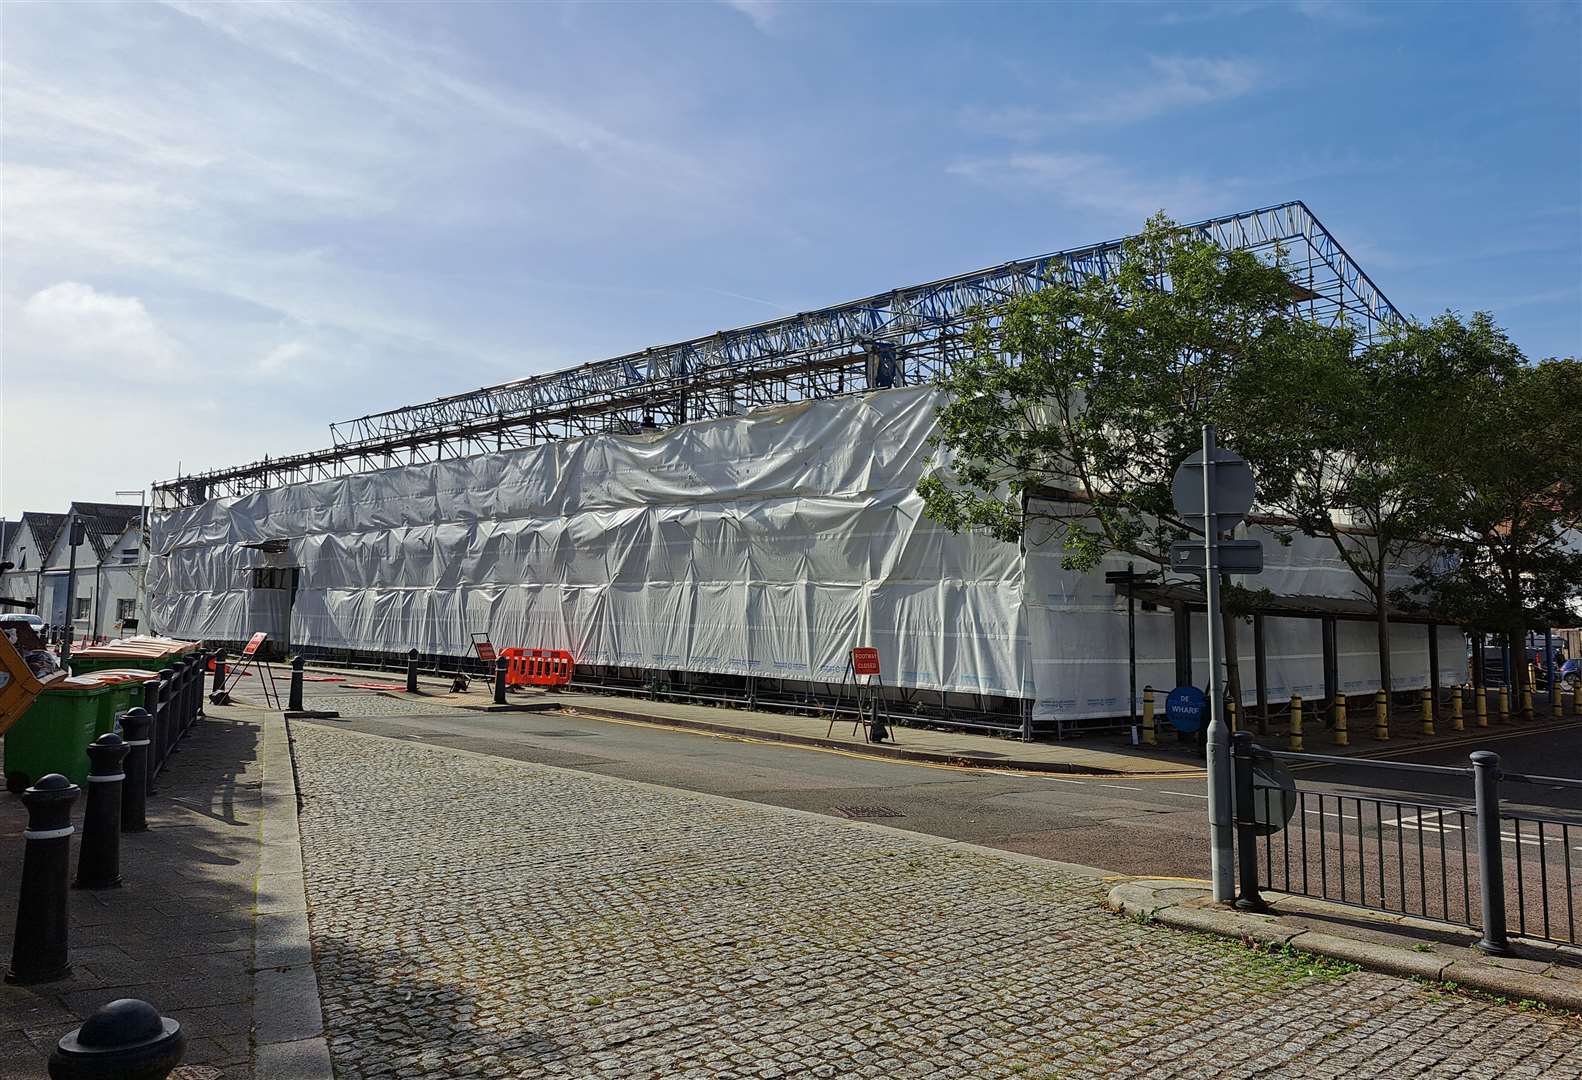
[[1382, 615]]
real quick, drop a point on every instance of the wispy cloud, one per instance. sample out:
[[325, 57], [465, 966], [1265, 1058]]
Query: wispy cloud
[[1091, 182], [765, 14], [1167, 84]]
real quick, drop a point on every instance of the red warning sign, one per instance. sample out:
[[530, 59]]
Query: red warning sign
[[865, 660], [253, 643]]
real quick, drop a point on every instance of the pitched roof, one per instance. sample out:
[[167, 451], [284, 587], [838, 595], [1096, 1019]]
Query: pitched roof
[[105, 522], [8, 529], [45, 529]]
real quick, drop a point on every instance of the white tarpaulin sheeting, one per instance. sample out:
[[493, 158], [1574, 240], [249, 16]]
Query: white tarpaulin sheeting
[[766, 544]]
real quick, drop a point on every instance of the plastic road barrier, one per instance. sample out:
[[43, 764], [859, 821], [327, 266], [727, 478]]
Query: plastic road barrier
[[537, 667], [53, 736]]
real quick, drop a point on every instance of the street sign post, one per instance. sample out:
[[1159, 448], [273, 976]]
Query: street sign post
[[1235, 556], [1215, 488]]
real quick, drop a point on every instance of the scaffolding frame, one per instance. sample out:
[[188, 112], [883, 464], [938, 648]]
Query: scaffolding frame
[[905, 336]]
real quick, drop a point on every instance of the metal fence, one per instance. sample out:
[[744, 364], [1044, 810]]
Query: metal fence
[[1469, 861]]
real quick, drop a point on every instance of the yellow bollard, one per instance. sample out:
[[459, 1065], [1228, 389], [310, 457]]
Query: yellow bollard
[[1480, 699], [1457, 722], [1296, 722], [1428, 712], [1148, 717], [1230, 716], [1381, 716], [1527, 703], [1505, 706], [1342, 736]]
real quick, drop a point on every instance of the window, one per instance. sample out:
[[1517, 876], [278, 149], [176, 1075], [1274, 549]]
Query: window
[[125, 609], [276, 577], [84, 607], [128, 555]]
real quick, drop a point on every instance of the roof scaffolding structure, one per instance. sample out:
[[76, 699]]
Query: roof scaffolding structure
[[905, 336]]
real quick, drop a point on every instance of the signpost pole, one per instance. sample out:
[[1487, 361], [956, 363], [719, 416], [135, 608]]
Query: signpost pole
[[1131, 650], [1222, 862]]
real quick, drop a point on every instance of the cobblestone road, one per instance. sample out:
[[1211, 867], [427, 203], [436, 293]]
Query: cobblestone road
[[477, 917]]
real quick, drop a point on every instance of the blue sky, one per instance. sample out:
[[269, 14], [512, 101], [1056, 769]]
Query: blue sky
[[227, 226]]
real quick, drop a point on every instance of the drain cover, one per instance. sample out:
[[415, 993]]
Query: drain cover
[[868, 812]]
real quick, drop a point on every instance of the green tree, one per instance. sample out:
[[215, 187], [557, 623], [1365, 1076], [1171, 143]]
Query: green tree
[[1356, 466], [1510, 518], [1090, 393]]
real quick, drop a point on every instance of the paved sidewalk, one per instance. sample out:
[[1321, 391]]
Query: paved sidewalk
[[479, 917], [178, 933], [1100, 755]]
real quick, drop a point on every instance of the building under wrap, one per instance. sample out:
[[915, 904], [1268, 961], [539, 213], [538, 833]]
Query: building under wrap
[[763, 545], [709, 538]]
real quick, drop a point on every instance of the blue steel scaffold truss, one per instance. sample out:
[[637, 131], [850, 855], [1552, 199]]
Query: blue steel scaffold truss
[[904, 336]]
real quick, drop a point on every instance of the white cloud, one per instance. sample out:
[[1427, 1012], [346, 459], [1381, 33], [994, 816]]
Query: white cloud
[[763, 13], [82, 327], [1093, 182], [1168, 84], [283, 359]]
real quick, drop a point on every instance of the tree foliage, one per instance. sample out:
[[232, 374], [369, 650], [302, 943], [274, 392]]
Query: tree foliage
[[1093, 392], [1510, 519], [1437, 447]]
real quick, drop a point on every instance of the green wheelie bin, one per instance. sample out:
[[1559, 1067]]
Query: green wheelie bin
[[53, 735]]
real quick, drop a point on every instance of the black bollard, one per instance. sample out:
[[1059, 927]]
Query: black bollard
[[39, 953], [126, 1039], [219, 671], [500, 665], [199, 666], [99, 855], [134, 790], [295, 703], [411, 671]]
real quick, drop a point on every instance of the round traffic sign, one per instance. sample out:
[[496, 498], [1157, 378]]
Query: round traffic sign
[[1184, 708], [1234, 488]]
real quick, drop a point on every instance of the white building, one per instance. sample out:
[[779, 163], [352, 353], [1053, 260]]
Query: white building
[[110, 567]]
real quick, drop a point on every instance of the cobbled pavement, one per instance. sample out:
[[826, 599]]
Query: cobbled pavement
[[479, 917]]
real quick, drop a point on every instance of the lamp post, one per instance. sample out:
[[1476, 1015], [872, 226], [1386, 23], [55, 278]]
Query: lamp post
[[77, 531]]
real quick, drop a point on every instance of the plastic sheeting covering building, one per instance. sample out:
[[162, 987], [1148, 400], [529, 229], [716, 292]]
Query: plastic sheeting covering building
[[766, 544]]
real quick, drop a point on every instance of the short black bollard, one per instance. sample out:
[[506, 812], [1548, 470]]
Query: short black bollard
[[500, 664], [1246, 831], [39, 954], [219, 671], [126, 1040], [134, 790], [294, 703], [99, 855], [1491, 852], [411, 671]]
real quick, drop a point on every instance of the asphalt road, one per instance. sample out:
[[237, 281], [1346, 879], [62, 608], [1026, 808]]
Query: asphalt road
[[1133, 825]]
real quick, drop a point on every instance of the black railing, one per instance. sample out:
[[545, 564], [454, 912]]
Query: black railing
[[1466, 862]]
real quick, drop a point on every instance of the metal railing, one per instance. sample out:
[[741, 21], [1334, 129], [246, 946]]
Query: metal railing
[[1480, 865]]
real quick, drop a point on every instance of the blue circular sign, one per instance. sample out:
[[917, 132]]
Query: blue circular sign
[[1184, 708]]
